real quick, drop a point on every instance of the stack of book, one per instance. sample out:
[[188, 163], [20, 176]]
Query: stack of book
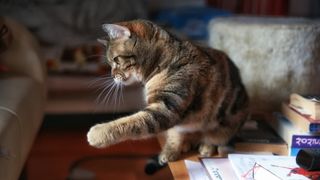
[[257, 136], [299, 122]]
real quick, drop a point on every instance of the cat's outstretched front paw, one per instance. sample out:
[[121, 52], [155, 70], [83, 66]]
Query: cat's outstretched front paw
[[101, 135]]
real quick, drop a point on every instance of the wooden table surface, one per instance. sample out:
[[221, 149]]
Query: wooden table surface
[[178, 168]]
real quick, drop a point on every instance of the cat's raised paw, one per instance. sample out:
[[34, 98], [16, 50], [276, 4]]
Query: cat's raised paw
[[99, 137]]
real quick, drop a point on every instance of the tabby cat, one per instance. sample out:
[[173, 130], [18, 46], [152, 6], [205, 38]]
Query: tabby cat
[[193, 93]]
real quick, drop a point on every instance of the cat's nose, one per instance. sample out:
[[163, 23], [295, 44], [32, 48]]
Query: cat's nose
[[118, 76]]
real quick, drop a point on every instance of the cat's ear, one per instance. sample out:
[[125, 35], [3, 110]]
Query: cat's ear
[[116, 31], [102, 41]]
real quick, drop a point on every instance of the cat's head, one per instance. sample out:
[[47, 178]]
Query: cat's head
[[129, 49]]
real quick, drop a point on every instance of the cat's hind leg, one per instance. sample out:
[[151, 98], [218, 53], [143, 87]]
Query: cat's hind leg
[[178, 142], [207, 150], [219, 137]]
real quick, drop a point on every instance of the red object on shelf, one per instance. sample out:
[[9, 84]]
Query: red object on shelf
[[254, 7], [280, 7]]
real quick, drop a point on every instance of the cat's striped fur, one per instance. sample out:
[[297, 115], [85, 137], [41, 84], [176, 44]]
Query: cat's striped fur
[[190, 91]]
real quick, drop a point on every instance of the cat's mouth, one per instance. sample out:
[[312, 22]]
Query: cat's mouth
[[118, 78], [125, 78]]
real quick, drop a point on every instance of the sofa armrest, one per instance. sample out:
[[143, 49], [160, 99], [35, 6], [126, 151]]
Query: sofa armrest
[[10, 157]]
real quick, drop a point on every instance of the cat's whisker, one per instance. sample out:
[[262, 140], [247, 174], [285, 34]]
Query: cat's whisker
[[98, 99], [121, 94], [111, 91], [117, 103], [105, 88], [107, 83], [104, 77], [105, 92], [97, 81], [114, 96], [109, 94]]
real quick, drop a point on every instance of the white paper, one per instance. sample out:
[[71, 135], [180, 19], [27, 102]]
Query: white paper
[[281, 166], [219, 168], [196, 171], [261, 174]]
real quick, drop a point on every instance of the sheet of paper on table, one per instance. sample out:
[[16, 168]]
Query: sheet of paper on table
[[196, 171], [269, 167], [218, 168], [215, 168]]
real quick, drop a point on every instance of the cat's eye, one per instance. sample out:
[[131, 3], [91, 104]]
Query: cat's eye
[[129, 65], [124, 57], [116, 60]]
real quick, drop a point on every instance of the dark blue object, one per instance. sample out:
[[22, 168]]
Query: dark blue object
[[153, 165], [192, 21], [314, 127], [305, 141]]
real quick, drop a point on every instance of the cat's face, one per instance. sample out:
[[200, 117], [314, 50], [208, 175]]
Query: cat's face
[[121, 54]]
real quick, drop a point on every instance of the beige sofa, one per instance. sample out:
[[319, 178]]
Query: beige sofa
[[22, 99]]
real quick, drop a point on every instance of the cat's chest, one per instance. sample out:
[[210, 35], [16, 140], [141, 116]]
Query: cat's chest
[[189, 128], [155, 84]]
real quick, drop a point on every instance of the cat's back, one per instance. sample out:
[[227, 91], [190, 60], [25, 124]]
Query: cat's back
[[214, 65], [213, 56]]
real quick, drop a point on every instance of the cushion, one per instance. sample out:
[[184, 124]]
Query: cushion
[[276, 56]]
